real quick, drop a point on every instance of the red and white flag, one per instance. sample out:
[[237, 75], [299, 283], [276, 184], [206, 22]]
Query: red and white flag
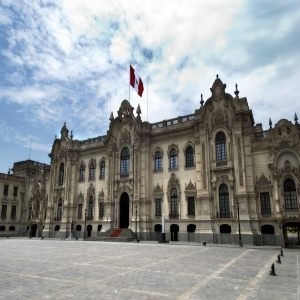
[[136, 82]]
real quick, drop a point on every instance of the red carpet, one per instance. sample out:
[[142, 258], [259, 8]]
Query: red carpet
[[115, 232]]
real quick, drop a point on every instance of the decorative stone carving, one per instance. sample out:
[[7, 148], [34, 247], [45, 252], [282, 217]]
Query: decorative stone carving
[[125, 137], [263, 180]]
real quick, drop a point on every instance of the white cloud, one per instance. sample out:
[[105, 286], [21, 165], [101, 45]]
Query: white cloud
[[12, 135]]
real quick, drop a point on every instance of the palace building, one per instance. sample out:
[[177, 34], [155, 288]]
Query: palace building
[[213, 175]]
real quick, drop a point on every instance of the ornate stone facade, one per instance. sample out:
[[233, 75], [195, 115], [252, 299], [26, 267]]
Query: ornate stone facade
[[205, 173]]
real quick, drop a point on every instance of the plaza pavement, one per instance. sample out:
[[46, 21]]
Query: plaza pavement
[[69, 269]]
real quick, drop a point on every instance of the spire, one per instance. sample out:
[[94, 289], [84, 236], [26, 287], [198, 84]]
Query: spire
[[296, 119], [138, 110], [71, 136], [236, 91], [201, 102], [111, 116], [270, 123]]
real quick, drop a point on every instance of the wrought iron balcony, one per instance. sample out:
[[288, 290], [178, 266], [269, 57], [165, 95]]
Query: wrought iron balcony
[[224, 215], [173, 216]]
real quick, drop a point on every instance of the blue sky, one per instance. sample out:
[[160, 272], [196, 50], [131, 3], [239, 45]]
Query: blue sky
[[68, 61]]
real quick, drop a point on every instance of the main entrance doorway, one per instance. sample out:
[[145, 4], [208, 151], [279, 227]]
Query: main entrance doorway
[[124, 211]]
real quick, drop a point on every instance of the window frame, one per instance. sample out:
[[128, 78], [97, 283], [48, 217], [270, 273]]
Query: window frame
[[220, 143], [290, 195], [158, 161], [125, 162], [173, 160], [102, 170], [265, 203], [224, 204], [189, 157]]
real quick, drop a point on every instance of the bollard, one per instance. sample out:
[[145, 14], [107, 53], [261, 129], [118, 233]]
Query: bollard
[[278, 259], [272, 272], [281, 252]]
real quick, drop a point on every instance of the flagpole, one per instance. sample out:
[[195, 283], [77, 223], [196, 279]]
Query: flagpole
[[147, 100], [129, 86]]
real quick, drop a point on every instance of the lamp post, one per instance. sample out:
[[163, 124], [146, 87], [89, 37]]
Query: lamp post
[[84, 233], [136, 223], [238, 213]]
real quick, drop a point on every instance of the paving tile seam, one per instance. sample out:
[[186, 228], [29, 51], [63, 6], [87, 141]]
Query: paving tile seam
[[40, 277], [257, 280], [298, 277], [192, 290]]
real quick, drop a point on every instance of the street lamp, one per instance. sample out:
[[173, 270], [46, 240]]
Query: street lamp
[[238, 213], [84, 233], [136, 223]]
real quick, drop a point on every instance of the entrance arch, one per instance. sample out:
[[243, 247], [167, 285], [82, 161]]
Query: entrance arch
[[292, 233], [33, 230], [174, 228], [124, 210]]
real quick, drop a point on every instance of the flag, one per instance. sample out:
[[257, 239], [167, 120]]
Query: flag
[[136, 82]]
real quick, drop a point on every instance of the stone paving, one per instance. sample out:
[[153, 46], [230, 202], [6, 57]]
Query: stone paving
[[55, 269]]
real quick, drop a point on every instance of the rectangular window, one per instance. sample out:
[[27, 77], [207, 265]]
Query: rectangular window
[[5, 192], [3, 211], [15, 191], [13, 212], [173, 162], [92, 174], [265, 203], [101, 209], [191, 206], [158, 207], [79, 213]]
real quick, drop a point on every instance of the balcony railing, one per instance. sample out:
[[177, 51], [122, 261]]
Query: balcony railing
[[221, 163], [221, 215], [173, 216]]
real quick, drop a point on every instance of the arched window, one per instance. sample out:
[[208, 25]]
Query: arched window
[[59, 210], [173, 159], [81, 172], [221, 147], [61, 174], [225, 228], [12, 228], [224, 201], [290, 195], [157, 227], [267, 229], [174, 203], [102, 169], [125, 162], [92, 171], [158, 162], [90, 208], [191, 228], [189, 157]]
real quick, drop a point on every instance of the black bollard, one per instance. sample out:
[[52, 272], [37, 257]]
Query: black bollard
[[281, 252], [272, 272], [278, 259]]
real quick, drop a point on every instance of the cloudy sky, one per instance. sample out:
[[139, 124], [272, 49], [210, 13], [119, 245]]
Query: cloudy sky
[[68, 60]]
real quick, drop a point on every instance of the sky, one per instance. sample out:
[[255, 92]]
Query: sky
[[68, 61]]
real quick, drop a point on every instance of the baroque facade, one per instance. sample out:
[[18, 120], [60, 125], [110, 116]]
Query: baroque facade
[[212, 175]]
